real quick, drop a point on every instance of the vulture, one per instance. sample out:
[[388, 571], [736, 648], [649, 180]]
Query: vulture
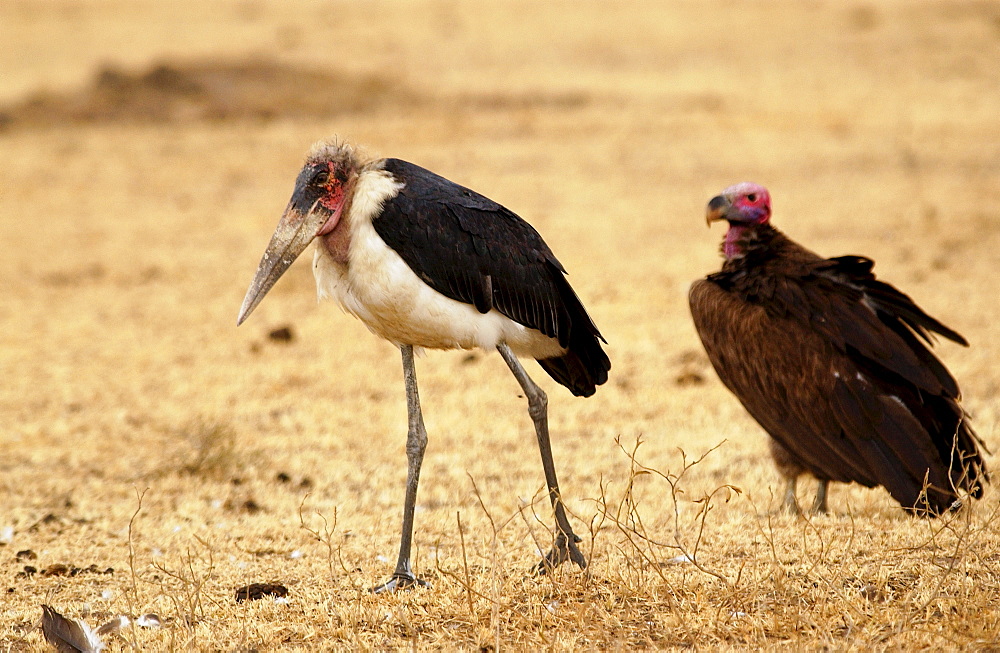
[[835, 365]]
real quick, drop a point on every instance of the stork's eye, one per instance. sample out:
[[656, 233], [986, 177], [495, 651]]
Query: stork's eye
[[321, 177], [752, 197]]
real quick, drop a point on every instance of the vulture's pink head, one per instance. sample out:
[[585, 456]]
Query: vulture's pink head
[[319, 202], [742, 204]]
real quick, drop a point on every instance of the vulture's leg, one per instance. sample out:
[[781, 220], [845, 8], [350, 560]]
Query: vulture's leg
[[790, 469], [416, 442], [564, 547], [790, 504], [819, 504]]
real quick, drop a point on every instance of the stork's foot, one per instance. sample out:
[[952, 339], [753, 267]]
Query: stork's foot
[[563, 549], [400, 582]]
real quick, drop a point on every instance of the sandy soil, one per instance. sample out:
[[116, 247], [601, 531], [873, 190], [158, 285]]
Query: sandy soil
[[148, 150]]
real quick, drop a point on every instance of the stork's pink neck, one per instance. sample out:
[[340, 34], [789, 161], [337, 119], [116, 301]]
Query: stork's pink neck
[[338, 242], [336, 233]]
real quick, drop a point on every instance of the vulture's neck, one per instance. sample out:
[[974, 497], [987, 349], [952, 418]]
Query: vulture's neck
[[760, 247], [749, 242]]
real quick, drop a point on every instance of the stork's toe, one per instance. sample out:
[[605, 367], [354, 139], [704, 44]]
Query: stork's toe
[[563, 549]]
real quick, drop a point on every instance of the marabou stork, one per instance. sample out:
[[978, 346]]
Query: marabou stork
[[834, 364], [424, 262]]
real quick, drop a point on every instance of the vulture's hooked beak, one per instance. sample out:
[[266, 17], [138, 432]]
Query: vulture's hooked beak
[[297, 228], [718, 209]]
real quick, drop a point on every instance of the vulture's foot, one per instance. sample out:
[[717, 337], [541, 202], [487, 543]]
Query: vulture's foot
[[789, 504], [819, 506]]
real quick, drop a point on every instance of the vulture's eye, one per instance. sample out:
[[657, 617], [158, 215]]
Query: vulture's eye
[[321, 178], [752, 197]]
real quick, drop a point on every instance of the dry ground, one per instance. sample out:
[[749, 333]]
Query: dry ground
[[148, 149]]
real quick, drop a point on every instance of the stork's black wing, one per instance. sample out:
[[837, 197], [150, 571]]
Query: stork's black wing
[[473, 250]]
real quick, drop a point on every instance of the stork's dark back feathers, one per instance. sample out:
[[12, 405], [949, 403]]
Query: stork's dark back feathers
[[498, 261], [835, 365]]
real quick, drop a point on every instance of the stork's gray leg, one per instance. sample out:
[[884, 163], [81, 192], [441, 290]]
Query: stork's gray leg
[[416, 443], [819, 504], [564, 548]]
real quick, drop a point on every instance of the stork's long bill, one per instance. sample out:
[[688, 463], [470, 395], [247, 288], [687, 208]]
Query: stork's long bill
[[304, 219]]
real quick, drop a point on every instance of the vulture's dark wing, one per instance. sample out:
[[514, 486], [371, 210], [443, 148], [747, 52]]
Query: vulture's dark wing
[[473, 250], [825, 358], [884, 333]]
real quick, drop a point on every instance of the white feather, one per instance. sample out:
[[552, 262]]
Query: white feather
[[380, 289]]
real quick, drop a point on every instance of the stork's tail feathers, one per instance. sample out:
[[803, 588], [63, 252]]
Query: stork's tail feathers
[[580, 373], [584, 366]]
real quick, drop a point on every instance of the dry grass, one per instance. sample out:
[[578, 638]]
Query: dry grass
[[143, 432]]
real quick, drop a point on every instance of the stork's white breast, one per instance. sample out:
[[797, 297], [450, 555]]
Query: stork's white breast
[[381, 290]]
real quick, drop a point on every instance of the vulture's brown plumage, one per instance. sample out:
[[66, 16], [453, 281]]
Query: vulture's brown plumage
[[834, 364]]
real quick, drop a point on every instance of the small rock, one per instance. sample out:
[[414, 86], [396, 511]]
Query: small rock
[[281, 334], [56, 569], [689, 378], [872, 592], [256, 591]]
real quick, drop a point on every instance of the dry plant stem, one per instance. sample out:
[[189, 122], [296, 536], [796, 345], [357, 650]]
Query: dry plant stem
[[494, 567], [594, 527], [565, 546], [465, 565], [467, 582], [819, 558], [192, 582], [416, 444], [188, 595], [638, 469], [133, 596], [960, 545], [326, 536], [629, 523]]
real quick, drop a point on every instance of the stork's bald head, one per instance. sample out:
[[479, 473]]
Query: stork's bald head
[[320, 199]]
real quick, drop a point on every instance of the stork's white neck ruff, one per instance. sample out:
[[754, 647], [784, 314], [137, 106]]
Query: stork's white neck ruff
[[379, 288]]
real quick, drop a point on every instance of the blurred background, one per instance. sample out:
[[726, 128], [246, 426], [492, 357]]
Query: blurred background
[[148, 148]]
